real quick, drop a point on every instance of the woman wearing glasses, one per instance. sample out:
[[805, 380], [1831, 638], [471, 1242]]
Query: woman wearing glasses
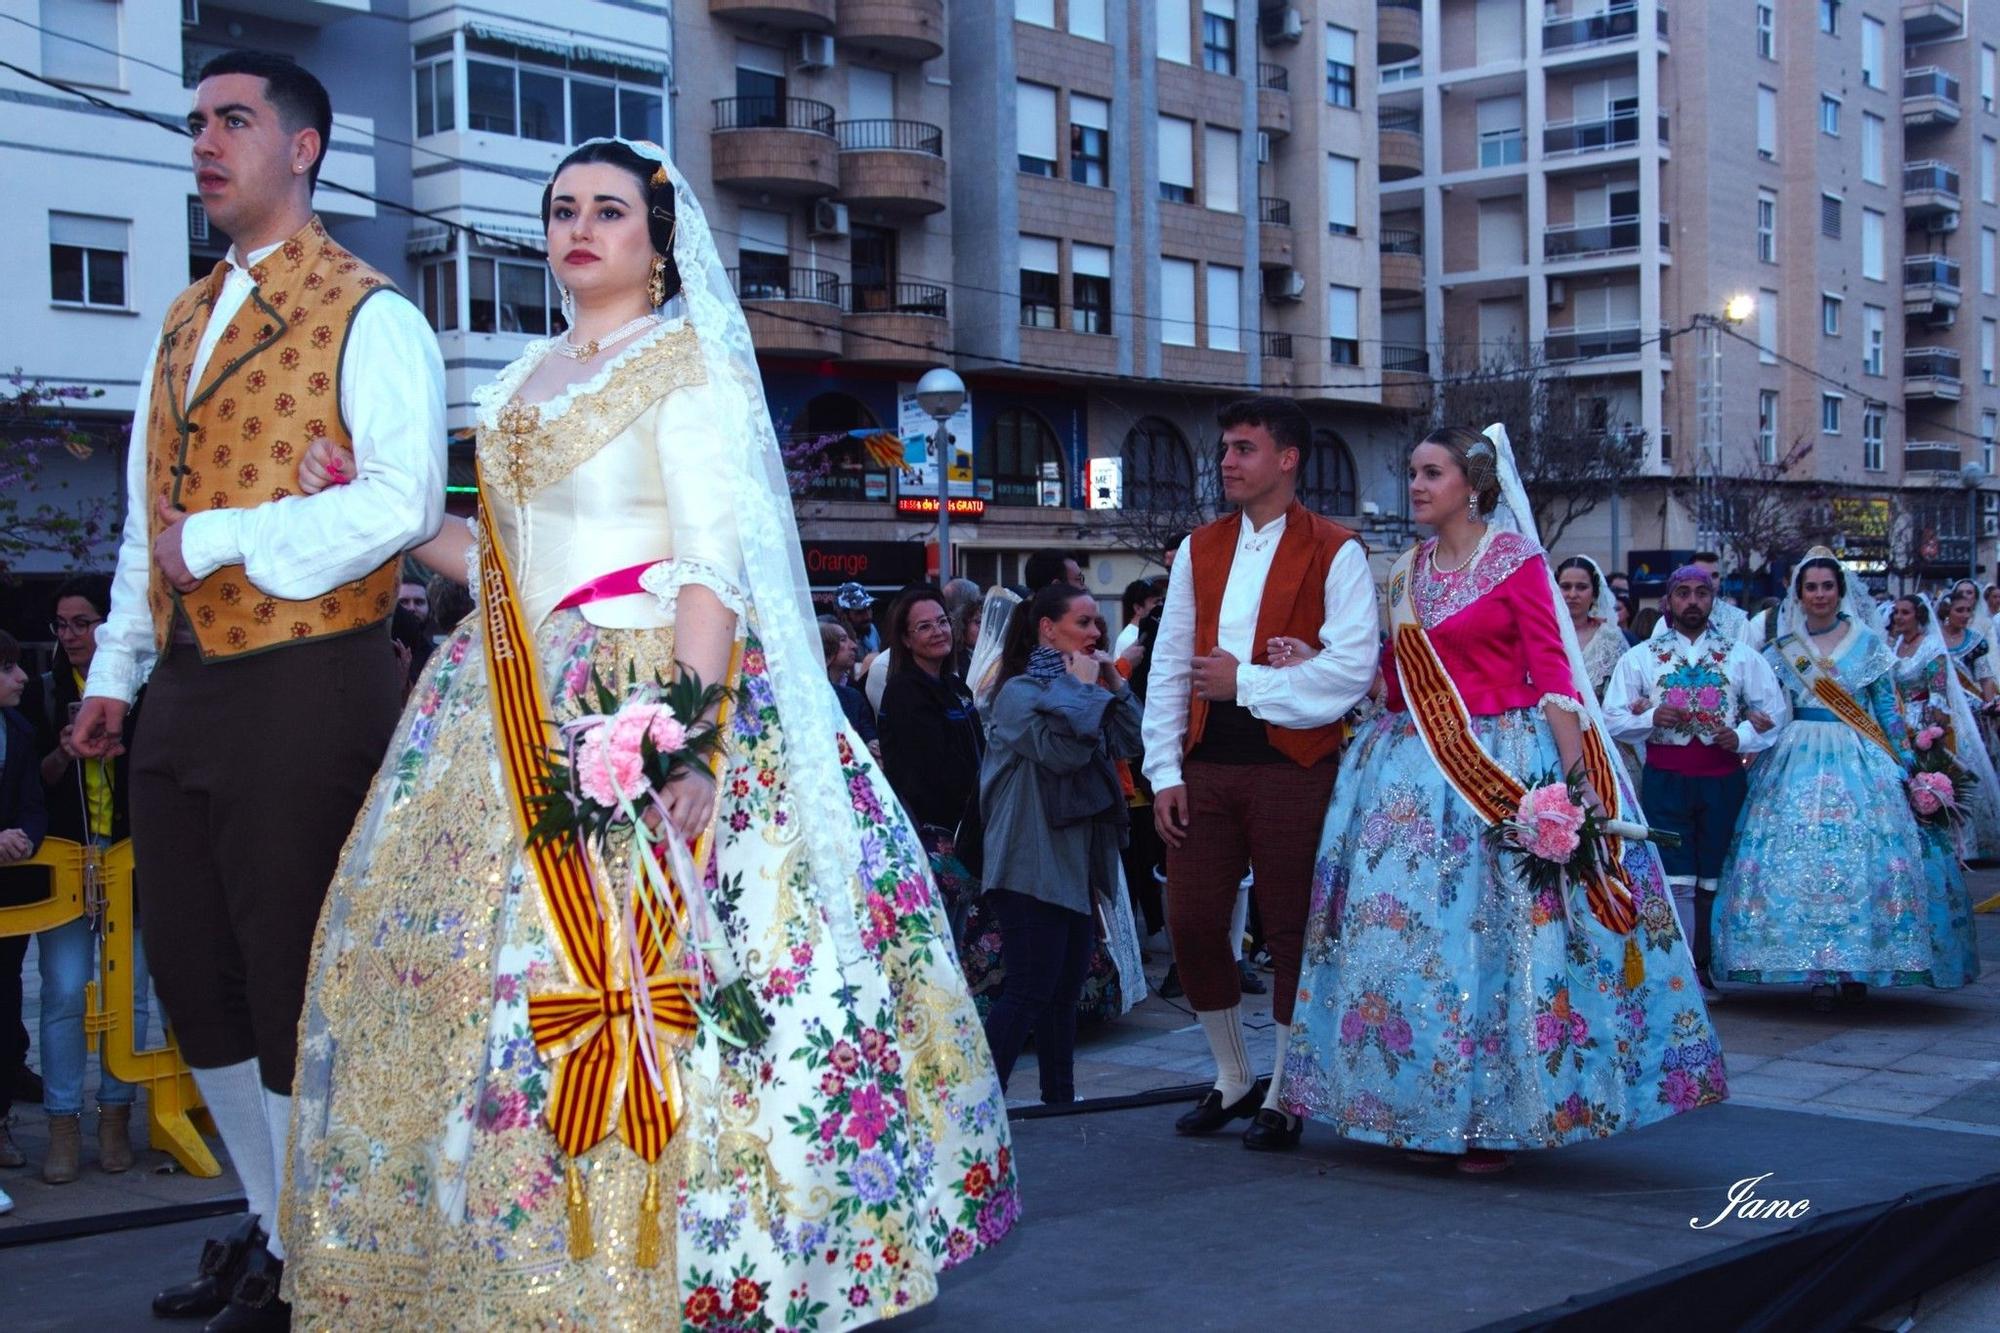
[[86, 801]]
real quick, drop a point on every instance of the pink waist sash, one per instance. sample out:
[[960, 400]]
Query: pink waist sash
[[622, 583]]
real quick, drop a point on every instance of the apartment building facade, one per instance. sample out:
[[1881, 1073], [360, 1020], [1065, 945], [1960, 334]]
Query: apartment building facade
[[1110, 216]]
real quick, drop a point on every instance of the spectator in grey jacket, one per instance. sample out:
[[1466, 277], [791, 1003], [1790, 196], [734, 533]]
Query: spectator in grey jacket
[[1055, 821]]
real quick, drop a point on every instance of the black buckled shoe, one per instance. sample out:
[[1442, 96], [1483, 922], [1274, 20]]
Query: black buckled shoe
[[254, 1306], [1273, 1131], [1210, 1114], [221, 1265]]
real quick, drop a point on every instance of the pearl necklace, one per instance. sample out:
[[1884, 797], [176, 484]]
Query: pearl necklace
[[564, 347], [1478, 549]]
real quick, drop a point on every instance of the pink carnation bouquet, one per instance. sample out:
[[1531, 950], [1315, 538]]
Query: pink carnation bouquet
[[603, 781], [1938, 786], [1558, 841]]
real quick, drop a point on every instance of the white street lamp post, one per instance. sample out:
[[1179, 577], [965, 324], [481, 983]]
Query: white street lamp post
[[940, 393]]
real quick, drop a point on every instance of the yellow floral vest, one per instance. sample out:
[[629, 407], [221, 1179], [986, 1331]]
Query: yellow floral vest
[[271, 385]]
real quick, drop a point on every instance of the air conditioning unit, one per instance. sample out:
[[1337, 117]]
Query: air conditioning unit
[[829, 218], [1941, 317], [1285, 26], [1558, 293], [1263, 148], [1285, 284], [1939, 224], [813, 50], [197, 223]]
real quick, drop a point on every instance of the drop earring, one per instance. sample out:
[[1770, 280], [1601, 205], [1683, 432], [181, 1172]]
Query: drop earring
[[568, 305], [656, 286]]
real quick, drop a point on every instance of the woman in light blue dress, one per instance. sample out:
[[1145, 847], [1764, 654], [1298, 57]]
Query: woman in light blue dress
[[1826, 884], [1446, 1006]]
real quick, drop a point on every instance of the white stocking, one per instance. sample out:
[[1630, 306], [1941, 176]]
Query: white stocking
[[235, 1097], [1224, 1030]]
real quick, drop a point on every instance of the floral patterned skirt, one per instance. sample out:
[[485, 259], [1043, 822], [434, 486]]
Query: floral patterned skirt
[[1830, 878], [1445, 1005], [821, 1180]]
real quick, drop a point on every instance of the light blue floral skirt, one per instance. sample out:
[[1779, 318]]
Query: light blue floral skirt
[[1445, 1005], [1832, 879]]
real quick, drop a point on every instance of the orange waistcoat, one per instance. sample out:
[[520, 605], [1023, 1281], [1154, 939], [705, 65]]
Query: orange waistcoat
[[1294, 604], [271, 384]]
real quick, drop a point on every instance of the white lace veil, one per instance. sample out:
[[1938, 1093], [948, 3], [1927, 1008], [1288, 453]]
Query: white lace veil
[[1982, 619], [1604, 609], [994, 614], [774, 569], [1514, 514], [1971, 750], [1856, 605]]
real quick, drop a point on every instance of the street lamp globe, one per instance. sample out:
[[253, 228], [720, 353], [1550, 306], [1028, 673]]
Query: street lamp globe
[[1971, 475], [1739, 307], [940, 393]]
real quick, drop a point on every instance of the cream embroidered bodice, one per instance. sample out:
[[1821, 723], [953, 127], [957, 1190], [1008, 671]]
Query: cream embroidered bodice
[[609, 474]]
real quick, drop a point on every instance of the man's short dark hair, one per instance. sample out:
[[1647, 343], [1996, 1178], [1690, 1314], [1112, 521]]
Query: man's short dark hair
[[299, 99], [1283, 417], [10, 650], [1045, 567], [1704, 558]]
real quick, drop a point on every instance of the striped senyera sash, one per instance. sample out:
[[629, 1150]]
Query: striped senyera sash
[[1444, 724], [1814, 674], [600, 1053]]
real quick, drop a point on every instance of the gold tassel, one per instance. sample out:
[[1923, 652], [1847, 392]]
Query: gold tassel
[[1635, 966], [649, 1222], [580, 1244]]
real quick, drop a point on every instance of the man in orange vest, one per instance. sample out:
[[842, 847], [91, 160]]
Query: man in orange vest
[[267, 613], [1242, 736]]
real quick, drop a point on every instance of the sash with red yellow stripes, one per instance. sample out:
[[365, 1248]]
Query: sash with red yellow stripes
[[1445, 725], [1814, 674], [603, 1057]]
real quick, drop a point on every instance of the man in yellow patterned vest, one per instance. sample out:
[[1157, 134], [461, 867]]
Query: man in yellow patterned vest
[[263, 615]]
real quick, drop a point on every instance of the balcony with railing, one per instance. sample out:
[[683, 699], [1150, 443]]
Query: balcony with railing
[[894, 323], [1616, 24], [1930, 284], [1274, 345], [1406, 376], [790, 309], [1932, 372], [785, 15], [1929, 187], [1399, 31], [1274, 99], [904, 29], [892, 166], [1930, 97], [775, 145], [1931, 456], [1274, 232], [1401, 259], [1924, 20], [1594, 240], [1595, 134], [1401, 135], [1580, 344]]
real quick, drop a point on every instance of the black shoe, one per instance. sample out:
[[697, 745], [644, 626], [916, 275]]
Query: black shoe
[[1273, 1131], [27, 1086], [1210, 1114], [254, 1306], [1853, 993], [222, 1264], [1170, 984], [1252, 983]]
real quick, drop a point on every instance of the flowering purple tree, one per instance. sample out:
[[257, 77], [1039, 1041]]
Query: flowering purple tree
[[38, 419]]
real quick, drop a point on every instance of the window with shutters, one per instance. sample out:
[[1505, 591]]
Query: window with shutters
[[1767, 122], [1829, 17], [1873, 340], [1343, 325], [1220, 169], [1829, 413], [1871, 148], [1176, 160], [1767, 227], [1218, 36], [1872, 35], [1342, 188], [1089, 140], [1871, 244], [1767, 425], [1339, 66], [80, 42], [1829, 115], [1225, 308], [87, 260], [1035, 128], [1041, 282], [1767, 41], [1874, 417], [1090, 288], [1829, 314], [1173, 32], [1829, 215], [1177, 327], [1767, 327], [1086, 19]]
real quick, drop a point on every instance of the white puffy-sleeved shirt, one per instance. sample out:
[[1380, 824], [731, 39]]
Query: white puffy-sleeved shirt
[[1719, 679], [1315, 693], [392, 397]]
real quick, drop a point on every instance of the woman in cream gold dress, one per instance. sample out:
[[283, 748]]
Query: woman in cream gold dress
[[458, 1162]]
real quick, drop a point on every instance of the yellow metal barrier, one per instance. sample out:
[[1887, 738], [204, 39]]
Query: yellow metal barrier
[[173, 1103]]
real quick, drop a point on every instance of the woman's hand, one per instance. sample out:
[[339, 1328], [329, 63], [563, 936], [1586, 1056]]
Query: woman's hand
[[1082, 665], [690, 801], [325, 464], [1593, 802], [1284, 651]]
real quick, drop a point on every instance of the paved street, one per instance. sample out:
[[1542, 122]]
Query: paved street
[[1128, 1226]]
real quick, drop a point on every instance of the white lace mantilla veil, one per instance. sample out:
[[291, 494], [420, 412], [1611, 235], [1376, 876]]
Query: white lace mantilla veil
[[1604, 609], [994, 614], [1855, 604], [773, 566], [1514, 514]]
